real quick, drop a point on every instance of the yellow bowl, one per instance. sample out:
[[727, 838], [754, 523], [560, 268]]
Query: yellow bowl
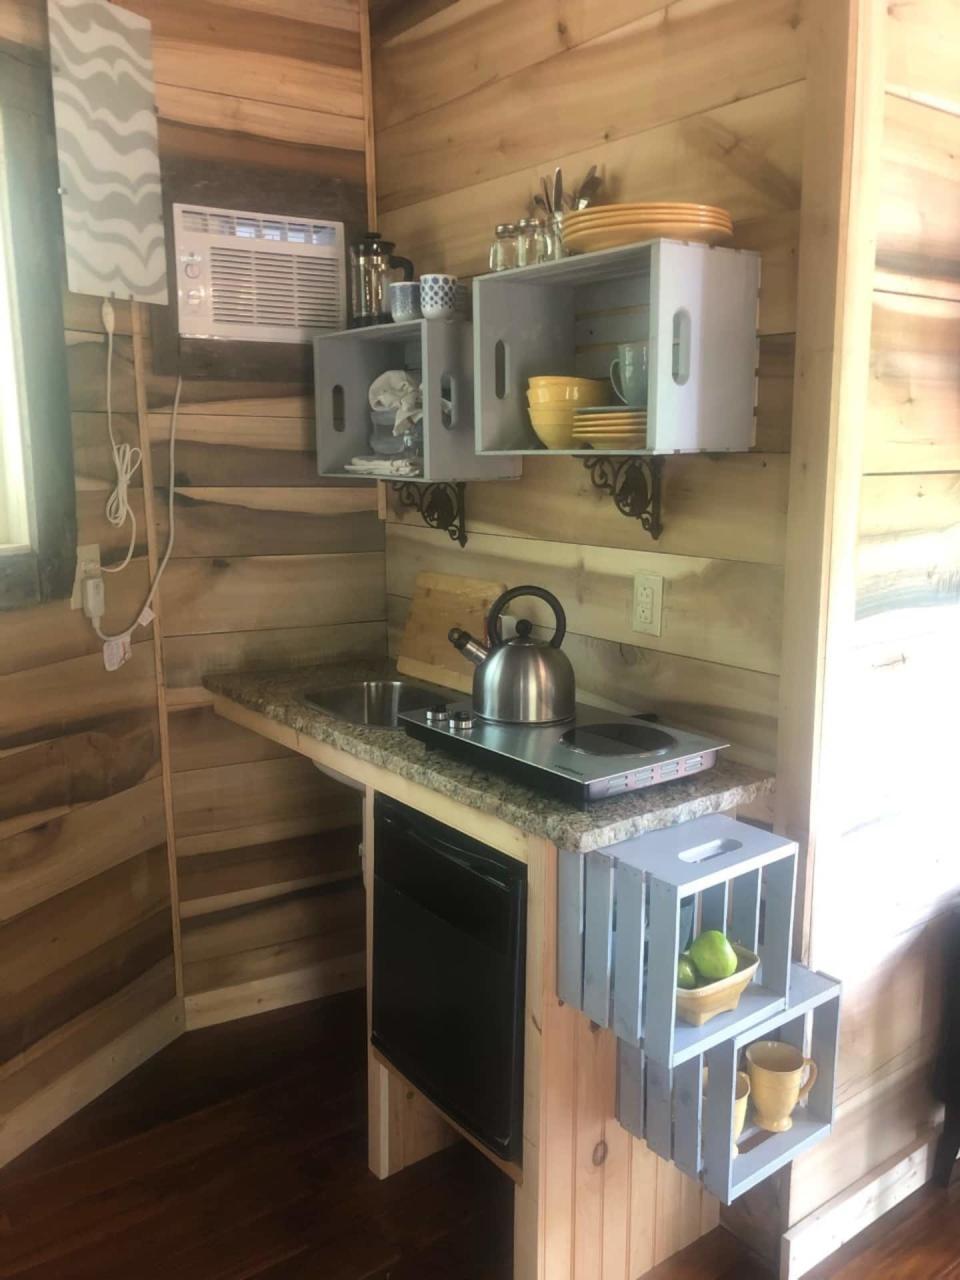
[[697, 1005], [544, 379], [575, 390], [552, 415], [556, 435]]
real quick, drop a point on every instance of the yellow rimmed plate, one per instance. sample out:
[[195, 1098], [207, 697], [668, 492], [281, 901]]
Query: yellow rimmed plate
[[589, 241]]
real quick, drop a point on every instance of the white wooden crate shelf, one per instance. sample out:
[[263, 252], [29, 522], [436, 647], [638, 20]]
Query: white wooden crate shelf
[[622, 913], [696, 307], [693, 1127], [619, 933], [440, 352]]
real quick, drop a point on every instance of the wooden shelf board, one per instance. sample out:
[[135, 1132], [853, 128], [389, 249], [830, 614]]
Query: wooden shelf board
[[776, 1150]]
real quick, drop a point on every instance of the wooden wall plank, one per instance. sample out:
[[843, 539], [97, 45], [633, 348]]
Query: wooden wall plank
[[237, 877], [82, 844], [235, 114], [199, 739], [731, 507], [309, 913], [718, 610], [67, 696], [908, 555], [188, 658], [467, 46], [77, 768], [274, 521], [921, 57], [238, 795], [53, 1057], [919, 191], [246, 594], [577, 95], [52, 968], [914, 400]]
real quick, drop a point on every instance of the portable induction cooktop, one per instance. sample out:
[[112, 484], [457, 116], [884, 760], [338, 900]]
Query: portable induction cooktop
[[595, 755]]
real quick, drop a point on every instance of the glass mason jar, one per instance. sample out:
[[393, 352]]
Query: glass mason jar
[[503, 251]]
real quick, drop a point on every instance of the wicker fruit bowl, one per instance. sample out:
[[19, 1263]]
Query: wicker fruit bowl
[[697, 1005]]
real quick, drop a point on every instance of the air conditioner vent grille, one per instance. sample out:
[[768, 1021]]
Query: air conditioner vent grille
[[258, 277]]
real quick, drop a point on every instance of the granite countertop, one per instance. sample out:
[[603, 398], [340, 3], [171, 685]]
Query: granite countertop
[[279, 695]]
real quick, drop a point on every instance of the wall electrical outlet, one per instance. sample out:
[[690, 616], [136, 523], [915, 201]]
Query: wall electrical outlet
[[647, 603], [88, 566]]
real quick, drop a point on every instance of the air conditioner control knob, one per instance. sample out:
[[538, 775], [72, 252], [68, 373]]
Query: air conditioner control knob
[[192, 271]]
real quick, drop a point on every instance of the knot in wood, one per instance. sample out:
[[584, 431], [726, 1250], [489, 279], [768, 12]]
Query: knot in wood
[[599, 1153]]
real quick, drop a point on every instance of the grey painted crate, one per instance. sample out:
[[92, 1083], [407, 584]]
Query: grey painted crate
[[441, 353], [696, 307], [619, 929], [694, 1129]]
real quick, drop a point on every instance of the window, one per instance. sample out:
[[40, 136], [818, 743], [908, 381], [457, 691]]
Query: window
[[37, 501], [14, 506]]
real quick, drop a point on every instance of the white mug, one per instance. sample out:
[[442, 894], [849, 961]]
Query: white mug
[[438, 296]]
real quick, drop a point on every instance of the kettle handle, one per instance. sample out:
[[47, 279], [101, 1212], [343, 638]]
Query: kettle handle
[[405, 265], [498, 606]]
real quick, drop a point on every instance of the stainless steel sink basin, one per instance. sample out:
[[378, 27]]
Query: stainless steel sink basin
[[371, 702]]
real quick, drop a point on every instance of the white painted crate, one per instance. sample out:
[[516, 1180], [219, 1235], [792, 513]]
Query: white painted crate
[[439, 351], [619, 929], [695, 1131], [695, 305]]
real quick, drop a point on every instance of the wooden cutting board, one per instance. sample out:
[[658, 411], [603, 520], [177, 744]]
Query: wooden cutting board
[[442, 601]]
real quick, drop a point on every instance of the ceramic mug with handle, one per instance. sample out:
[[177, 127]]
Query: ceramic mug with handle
[[628, 373], [776, 1073]]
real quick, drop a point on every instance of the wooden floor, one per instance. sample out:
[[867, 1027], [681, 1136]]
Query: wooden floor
[[240, 1152]]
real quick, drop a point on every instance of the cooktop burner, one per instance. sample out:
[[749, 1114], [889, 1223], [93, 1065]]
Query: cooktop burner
[[595, 755], [622, 739]]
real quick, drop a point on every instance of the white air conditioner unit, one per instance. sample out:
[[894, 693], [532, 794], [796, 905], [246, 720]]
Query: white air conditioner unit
[[257, 277]]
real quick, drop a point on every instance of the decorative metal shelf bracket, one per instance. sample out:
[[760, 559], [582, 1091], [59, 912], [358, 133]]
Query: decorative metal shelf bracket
[[442, 505], [634, 485]]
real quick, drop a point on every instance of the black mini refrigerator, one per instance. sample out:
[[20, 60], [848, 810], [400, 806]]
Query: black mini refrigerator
[[449, 939]]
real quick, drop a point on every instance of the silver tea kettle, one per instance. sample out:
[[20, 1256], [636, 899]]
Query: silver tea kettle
[[521, 680], [372, 267]]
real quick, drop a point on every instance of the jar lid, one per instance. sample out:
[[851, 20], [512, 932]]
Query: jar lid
[[505, 228]]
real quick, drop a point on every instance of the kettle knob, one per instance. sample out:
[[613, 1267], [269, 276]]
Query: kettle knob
[[524, 627]]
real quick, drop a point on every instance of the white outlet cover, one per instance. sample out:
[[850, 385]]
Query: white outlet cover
[[88, 566], [647, 603]]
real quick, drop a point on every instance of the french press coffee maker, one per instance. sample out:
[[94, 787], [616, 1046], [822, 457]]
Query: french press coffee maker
[[372, 262]]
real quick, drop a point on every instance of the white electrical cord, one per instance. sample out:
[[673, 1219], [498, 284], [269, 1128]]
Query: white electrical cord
[[126, 458], [123, 480]]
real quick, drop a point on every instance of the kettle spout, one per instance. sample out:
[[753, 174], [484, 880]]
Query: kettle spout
[[469, 647]]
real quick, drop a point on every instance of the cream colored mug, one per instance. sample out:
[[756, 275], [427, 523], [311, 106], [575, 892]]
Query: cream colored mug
[[776, 1082], [741, 1096]]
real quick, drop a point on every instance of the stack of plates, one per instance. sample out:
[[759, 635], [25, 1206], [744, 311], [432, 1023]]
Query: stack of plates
[[610, 427], [609, 226]]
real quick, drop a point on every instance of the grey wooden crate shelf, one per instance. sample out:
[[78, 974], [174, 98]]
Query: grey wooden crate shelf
[[619, 928], [618, 937], [440, 352], [695, 306], [694, 1127]]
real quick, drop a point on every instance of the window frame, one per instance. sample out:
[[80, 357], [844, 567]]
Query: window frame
[[45, 571]]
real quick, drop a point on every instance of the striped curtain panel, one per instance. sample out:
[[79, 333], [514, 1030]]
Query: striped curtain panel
[[103, 100]]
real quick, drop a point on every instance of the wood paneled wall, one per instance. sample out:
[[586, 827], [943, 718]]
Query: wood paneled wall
[[891, 842], [261, 106], [472, 104], [703, 100]]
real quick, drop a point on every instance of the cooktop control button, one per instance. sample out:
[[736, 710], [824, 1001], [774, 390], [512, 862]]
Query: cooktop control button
[[438, 714], [460, 721]]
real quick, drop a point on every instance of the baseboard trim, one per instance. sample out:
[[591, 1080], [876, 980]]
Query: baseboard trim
[[822, 1232], [63, 1097], [207, 1008]]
